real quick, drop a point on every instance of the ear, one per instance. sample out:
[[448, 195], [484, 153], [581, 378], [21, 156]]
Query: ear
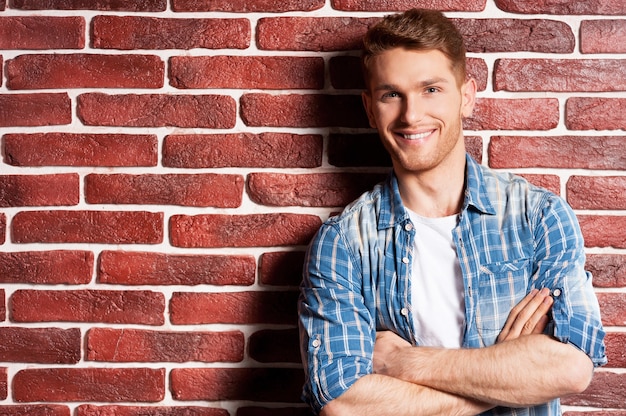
[[468, 94], [367, 103]]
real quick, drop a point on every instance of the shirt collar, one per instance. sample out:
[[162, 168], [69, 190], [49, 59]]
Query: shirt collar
[[476, 196]]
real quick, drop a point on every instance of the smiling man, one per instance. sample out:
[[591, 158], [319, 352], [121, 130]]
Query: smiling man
[[448, 289]]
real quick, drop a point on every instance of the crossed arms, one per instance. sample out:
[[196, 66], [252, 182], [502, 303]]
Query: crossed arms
[[523, 368]]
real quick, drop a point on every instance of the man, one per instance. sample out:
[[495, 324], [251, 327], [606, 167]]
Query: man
[[449, 289]]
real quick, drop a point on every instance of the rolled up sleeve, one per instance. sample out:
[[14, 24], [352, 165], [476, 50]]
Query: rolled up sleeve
[[575, 312], [337, 332]]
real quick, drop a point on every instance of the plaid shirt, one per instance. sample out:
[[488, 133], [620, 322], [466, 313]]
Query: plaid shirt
[[511, 237]]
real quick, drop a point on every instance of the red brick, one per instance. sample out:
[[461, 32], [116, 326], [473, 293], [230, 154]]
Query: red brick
[[35, 410], [39, 190], [245, 6], [281, 268], [516, 35], [89, 384], [113, 410], [606, 391], [108, 5], [106, 306], [188, 308], [568, 152], [600, 7], [310, 190], [253, 384], [153, 110], [253, 230], [247, 72], [603, 230], [42, 32], [560, 75], [608, 270], [319, 34], [47, 267], [550, 182], [3, 307], [68, 149], [295, 110], [602, 36], [200, 190], [42, 109], [596, 192], [40, 345], [514, 114], [120, 345], [107, 227], [346, 73], [136, 32], [615, 351], [594, 113], [613, 307], [143, 268], [474, 146], [3, 384], [277, 346], [3, 227], [265, 150], [88, 71], [400, 5]]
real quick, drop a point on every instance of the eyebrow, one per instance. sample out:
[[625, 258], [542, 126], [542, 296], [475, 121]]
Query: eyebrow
[[424, 83]]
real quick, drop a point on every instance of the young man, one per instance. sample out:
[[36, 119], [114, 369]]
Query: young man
[[449, 289]]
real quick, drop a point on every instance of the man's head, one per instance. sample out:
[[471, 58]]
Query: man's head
[[419, 30]]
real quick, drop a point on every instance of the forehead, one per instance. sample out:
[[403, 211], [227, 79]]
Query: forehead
[[400, 65]]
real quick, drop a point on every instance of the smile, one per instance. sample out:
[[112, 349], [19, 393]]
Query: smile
[[417, 136]]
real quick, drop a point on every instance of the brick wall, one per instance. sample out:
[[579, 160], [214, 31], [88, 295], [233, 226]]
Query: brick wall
[[165, 163]]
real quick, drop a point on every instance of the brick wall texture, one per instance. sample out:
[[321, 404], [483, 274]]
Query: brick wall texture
[[165, 162]]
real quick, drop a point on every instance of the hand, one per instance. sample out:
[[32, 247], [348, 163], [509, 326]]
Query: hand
[[386, 348], [530, 316]]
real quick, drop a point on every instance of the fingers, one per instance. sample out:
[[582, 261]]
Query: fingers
[[530, 316]]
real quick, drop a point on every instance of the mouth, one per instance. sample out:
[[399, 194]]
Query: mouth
[[415, 136]]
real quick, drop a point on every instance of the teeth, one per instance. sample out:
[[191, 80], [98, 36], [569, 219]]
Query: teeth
[[416, 136]]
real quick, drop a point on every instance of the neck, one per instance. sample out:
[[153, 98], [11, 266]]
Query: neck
[[433, 194]]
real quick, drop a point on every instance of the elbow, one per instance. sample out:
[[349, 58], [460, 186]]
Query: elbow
[[332, 408], [579, 374]]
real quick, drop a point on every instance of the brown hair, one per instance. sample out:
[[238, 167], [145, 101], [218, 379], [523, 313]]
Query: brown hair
[[416, 29]]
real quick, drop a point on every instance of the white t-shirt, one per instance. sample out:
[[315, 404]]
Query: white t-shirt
[[437, 291]]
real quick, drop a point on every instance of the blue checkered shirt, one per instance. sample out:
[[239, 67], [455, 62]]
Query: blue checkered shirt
[[511, 237]]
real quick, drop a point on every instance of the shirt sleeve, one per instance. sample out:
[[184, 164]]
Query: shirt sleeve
[[560, 260], [337, 332]]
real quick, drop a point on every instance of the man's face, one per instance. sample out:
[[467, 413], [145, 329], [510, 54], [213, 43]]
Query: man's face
[[417, 105]]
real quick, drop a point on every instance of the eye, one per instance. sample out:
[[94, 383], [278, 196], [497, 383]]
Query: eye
[[432, 90], [390, 95]]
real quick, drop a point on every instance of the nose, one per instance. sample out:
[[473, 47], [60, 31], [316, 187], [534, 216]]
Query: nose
[[412, 109]]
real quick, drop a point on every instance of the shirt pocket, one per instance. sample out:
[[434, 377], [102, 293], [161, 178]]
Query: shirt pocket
[[502, 285]]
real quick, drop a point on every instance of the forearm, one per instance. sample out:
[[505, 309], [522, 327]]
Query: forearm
[[381, 395], [525, 371]]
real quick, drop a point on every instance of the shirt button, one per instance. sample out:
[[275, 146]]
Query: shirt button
[[408, 227], [316, 343], [405, 260], [556, 292], [404, 311]]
